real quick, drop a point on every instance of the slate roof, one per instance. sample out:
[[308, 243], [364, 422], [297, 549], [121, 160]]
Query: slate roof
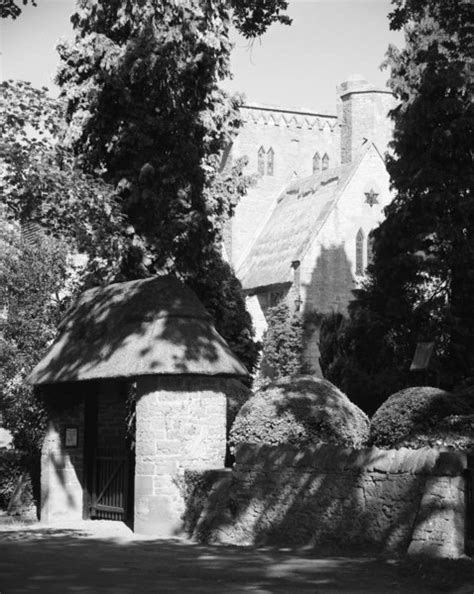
[[144, 327], [298, 216]]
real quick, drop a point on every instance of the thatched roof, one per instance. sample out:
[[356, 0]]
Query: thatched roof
[[144, 327], [297, 218]]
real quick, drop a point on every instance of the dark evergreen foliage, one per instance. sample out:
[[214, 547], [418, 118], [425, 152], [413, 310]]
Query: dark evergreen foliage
[[282, 352], [421, 281]]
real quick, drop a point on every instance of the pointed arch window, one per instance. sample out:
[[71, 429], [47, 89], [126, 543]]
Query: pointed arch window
[[261, 161], [325, 161], [316, 163], [359, 260], [270, 161]]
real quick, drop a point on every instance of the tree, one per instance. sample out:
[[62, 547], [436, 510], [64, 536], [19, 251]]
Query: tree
[[430, 225], [283, 343], [41, 183], [421, 282], [11, 9], [146, 113], [33, 278]]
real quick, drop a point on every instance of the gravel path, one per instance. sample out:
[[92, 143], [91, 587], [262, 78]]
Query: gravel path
[[108, 557]]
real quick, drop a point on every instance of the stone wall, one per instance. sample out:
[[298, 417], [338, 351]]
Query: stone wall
[[337, 499], [294, 136], [62, 468], [180, 425], [328, 274]]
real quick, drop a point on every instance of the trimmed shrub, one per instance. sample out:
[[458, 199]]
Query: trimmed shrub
[[301, 410], [424, 416], [282, 353]]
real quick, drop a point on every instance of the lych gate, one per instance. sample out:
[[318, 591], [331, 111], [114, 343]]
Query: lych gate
[[136, 387]]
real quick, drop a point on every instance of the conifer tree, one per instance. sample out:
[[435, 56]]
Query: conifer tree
[[421, 282]]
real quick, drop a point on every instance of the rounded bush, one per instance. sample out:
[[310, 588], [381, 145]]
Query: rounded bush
[[424, 416], [301, 410]]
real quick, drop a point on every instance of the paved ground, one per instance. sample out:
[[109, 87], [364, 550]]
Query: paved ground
[[107, 557]]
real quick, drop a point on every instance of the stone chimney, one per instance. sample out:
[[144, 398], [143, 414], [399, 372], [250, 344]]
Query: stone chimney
[[363, 116]]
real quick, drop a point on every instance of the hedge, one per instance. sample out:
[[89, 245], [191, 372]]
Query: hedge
[[424, 416]]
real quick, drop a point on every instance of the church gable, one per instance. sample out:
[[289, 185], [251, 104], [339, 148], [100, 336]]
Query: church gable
[[300, 213], [337, 256]]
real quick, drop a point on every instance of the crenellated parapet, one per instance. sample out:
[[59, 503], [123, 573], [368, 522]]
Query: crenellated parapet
[[271, 116]]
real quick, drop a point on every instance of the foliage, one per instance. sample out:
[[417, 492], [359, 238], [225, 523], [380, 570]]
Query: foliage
[[141, 83], [33, 278], [330, 344], [236, 396], [416, 417], [146, 113], [11, 8], [13, 465], [301, 410], [347, 358], [421, 281], [221, 292], [41, 183], [282, 352], [203, 491]]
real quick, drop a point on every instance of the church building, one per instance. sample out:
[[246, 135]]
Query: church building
[[302, 233]]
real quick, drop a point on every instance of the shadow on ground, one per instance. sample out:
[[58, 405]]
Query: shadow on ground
[[41, 559]]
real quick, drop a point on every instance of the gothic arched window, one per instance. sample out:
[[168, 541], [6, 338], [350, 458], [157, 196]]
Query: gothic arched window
[[359, 263], [270, 161], [325, 161], [261, 161], [316, 163]]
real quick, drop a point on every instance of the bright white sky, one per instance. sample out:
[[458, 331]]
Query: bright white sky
[[296, 66]]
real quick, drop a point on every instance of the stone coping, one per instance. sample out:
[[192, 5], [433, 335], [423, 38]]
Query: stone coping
[[327, 458]]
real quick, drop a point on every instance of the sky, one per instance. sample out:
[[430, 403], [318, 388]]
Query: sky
[[295, 66]]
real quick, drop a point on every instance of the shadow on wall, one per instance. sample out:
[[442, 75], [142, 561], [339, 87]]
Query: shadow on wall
[[332, 282], [62, 469], [279, 497], [329, 290]]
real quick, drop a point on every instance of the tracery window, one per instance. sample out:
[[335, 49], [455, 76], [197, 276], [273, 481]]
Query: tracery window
[[359, 260], [316, 163], [325, 161], [270, 161], [261, 161]]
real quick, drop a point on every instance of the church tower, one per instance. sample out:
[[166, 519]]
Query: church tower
[[363, 115]]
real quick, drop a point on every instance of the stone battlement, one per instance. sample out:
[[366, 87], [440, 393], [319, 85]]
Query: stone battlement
[[288, 118]]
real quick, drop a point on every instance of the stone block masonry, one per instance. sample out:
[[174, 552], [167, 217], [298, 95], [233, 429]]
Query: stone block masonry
[[180, 425], [62, 467], [395, 501]]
